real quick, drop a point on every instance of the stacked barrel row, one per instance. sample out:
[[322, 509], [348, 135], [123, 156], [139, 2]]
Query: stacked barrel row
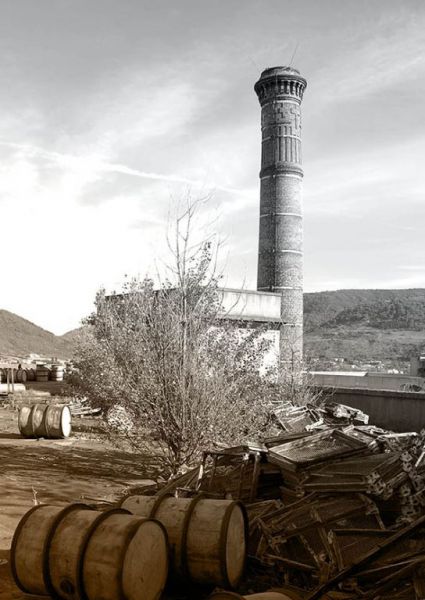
[[55, 373], [207, 537], [45, 420], [19, 375], [77, 553], [41, 374]]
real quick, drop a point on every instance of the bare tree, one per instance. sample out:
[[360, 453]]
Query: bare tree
[[183, 377]]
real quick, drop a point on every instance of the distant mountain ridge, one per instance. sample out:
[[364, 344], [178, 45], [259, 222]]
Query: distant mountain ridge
[[365, 324], [352, 324], [321, 308], [19, 337]]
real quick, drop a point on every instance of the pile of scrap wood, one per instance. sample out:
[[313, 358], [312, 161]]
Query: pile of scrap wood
[[82, 408], [336, 510], [308, 417]]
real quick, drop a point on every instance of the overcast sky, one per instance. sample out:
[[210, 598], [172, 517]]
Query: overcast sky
[[110, 109]]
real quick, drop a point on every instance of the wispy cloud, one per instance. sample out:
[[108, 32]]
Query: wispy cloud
[[376, 175], [108, 113], [96, 165], [382, 55]]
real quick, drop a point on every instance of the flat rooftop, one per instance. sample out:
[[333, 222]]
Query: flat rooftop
[[250, 305]]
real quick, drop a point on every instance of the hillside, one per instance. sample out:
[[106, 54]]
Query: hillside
[[365, 324], [353, 324], [19, 337], [70, 337]]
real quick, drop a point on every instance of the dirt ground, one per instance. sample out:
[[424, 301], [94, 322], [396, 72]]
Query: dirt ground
[[83, 468]]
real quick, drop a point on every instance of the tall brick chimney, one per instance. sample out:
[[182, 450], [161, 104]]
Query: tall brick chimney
[[280, 254]]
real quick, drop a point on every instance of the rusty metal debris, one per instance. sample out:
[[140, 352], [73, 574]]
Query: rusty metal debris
[[336, 506]]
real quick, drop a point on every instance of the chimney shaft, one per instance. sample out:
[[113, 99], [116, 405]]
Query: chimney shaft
[[280, 255]]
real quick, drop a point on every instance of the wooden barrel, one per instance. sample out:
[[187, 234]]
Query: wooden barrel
[[57, 372], [78, 553], [65, 566], [25, 422], [57, 421], [207, 537], [42, 373], [44, 420], [20, 376], [29, 548], [30, 374], [126, 557]]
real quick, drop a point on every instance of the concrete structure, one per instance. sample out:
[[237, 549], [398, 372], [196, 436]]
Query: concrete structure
[[248, 309], [399, 411], [280, 255], [248, 306], [366, 380]]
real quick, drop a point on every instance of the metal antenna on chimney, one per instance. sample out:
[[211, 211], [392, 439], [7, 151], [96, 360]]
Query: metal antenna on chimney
[[293, 54], [253, 62]]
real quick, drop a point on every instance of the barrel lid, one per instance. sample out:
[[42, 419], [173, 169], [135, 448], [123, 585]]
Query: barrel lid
[[233, 541], [66, 421], [145, 563]]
